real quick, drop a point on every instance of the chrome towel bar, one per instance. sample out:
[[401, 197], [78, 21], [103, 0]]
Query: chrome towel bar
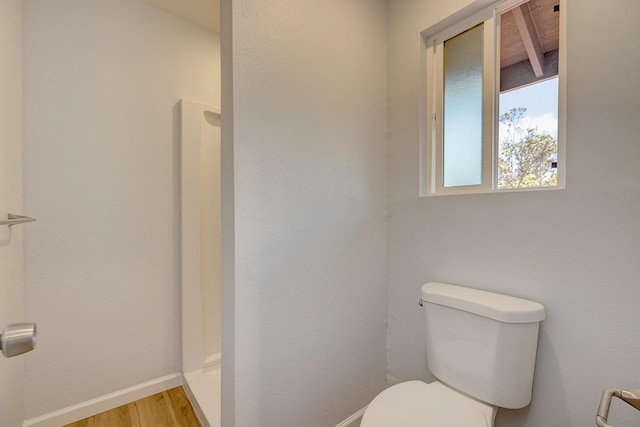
[[13, 219]]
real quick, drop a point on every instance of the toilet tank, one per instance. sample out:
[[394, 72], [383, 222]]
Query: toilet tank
[[482, 343]]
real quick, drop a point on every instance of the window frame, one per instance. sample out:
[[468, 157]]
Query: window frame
[[433, 40]]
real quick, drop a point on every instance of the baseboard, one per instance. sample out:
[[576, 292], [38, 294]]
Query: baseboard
[[212, 361], [104, 403], [197, 409], [353, 419]]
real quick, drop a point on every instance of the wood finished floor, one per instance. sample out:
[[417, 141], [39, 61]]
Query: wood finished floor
[[170, 408]]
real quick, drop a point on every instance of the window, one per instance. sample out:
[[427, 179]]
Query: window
[[494, 100]]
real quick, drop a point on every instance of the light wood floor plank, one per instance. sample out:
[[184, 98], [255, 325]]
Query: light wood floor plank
[[170, 408], [182, 408], [153, 411], [115, 417], [133, 415]]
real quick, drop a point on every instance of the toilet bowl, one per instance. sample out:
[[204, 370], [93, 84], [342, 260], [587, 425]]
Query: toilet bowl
[[481, 346], [418, 404]]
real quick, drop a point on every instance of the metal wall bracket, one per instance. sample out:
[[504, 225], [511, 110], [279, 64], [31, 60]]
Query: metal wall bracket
[[13, 219], [632, 397]]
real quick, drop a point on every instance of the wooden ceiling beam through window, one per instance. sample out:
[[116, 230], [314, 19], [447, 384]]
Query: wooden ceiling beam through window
[[530, 39]]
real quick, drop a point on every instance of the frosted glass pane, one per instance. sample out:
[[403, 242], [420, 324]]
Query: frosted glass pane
[[462, 149]]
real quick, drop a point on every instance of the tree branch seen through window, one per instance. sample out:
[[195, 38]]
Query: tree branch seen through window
[[526, 157]]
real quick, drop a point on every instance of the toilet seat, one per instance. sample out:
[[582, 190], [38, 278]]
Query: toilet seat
[[418, 404]]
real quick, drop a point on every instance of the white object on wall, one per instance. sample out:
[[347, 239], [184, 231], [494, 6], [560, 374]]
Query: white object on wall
[[200, 257], [200, 234]]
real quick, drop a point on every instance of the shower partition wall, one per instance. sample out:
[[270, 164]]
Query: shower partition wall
[[200, 258]]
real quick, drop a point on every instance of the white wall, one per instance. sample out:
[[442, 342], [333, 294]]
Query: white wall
[[576, 250], [227, 219], [101, 79], [309, 134], [11, 267]]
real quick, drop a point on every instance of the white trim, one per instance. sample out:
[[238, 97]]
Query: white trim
[[461, 26], [212, 361], [500, 190], [197, 409], [353, 418], [562, 98], [507, 5], [489, 122], [104, 403], [203, 389]]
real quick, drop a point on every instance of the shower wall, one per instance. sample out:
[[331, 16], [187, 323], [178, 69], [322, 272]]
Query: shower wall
[[200, 235], [210, 247]]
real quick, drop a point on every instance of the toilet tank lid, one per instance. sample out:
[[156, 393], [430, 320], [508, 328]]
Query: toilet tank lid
[[502, 308]]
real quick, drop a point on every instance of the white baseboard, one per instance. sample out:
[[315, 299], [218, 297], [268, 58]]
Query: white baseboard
[[197, 409], [353, 418], [104, 403]]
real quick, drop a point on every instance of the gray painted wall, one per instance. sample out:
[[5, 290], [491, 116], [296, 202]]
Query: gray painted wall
[[101, 79], [577, 251], [309, 135], [11, 239]]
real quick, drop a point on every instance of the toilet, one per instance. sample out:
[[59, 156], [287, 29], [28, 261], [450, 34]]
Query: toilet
[[481, 347]]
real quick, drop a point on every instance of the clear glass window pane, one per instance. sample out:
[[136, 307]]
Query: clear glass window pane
[[462, 139], [528, 136], [528, 122]]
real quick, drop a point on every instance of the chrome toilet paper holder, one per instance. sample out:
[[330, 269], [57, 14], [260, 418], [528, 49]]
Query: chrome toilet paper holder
[[18, 338]]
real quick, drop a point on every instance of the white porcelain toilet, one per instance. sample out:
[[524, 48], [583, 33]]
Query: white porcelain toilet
[[481, 347]]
